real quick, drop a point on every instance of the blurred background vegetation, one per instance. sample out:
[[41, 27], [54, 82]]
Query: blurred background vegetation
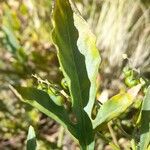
[[121, 27]]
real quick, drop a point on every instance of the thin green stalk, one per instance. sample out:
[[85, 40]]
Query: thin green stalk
[[118, 124], [60, 137], [115, 147], [112, 134], [133, 144]]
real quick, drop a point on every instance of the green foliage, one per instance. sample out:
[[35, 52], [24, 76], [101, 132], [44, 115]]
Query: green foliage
[[79, 60], [145, 122], [77, 54], [23, 51], [112, 109], [11, 39], [73, 104], [42, 101], [31, 139]]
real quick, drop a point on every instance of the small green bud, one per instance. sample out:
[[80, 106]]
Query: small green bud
[[64, 83], [53, 91], [142, 81], [59, 100], [127, 72], [130, 82], [145, 90], [41, 86]]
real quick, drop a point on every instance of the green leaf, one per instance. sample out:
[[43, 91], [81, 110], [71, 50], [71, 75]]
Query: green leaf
[[31, 139], [42, 101], [11, 39], [145, 122], [72, 62], [79, 60], [112, 108], [77, 53], [87, 46]]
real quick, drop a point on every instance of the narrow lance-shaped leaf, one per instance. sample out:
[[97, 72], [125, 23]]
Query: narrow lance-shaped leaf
[[11, 39], [145, 122], [31, 139], [112, 108], [87, 46], [42, 101], [115, 106], [74, 56], [72, 62]]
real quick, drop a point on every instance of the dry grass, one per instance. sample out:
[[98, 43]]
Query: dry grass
[[121, 26]]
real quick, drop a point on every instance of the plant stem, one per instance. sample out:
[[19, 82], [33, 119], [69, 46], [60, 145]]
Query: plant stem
[[112, 133], [119, 126], [133, 144], [88, 147], [60, 137], [115, 147]]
